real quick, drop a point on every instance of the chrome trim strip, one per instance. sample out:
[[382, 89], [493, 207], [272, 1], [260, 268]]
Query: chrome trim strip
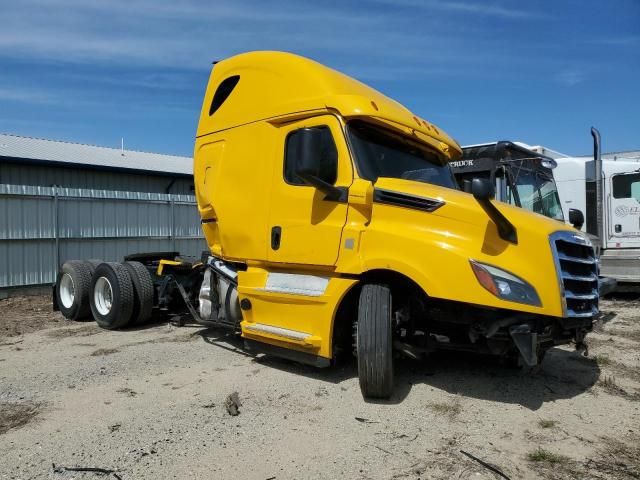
[[407, 200], [583, 296], [280, 332], [569, 258], [579, 278], [592, 313]]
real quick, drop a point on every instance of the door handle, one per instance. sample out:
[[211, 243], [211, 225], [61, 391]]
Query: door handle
[[276, 235]]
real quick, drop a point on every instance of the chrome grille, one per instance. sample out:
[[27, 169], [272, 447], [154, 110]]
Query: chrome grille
[[577, 273]]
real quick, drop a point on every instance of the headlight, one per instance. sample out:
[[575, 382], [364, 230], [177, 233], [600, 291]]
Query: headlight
[[505, 285]]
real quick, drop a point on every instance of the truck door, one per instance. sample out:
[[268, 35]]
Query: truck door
[[624, 210], [304, 227]]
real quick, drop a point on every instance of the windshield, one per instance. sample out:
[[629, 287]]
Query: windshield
[[382, 153], [536, 190]]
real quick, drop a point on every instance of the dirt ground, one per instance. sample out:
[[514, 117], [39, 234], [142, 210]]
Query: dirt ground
[[150, 404]]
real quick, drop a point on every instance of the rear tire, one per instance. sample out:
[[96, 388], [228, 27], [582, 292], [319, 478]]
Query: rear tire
[[73, 289], [374, 344], [143, 292], [112, 295], [93, 264]]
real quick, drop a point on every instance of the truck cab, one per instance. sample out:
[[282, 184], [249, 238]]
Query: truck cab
[[335, 225]]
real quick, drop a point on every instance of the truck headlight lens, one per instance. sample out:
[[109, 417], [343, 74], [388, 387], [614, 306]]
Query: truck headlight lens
[[505, 285]]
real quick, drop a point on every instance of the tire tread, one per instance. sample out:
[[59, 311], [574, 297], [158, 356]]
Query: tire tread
[[374, 341], [122, 292], [81, 275], [143, 292]]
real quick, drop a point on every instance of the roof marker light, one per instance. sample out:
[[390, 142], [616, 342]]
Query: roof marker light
[[549, 163]]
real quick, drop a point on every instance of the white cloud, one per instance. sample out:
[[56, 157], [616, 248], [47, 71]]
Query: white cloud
[[186, 35], [570, 78], [476, 8], [22, 95], [622, 41], [416, 39]]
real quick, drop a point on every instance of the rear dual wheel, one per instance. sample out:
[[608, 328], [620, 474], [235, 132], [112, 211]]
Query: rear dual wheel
[[122, 294], [116, 294], [73, 288], [143, 292], [112, 295]]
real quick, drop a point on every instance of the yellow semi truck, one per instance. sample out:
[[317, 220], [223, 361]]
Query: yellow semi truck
[[335, 227]]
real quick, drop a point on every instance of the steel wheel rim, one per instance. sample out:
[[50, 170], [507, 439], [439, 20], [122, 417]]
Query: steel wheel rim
[[103, 296], [67, 290]]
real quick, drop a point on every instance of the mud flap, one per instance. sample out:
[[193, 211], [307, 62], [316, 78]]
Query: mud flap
[[527, 343]]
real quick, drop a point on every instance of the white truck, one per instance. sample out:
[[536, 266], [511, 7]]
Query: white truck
[[611, 206]]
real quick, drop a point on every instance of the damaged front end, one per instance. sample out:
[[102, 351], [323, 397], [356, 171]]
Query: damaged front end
[[521, 337], [529, 337], [524, 337]]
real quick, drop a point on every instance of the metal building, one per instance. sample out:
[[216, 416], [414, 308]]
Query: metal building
[[625, 155], [61, 201]]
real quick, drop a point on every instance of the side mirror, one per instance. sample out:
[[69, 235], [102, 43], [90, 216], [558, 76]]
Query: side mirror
[[316, 160], [576, 218], [482, 189]]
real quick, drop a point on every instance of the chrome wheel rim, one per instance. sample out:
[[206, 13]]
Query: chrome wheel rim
[[103, 296], [67, 290]]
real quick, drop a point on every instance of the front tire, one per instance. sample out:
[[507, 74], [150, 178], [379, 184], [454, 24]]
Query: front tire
[[374, 341]]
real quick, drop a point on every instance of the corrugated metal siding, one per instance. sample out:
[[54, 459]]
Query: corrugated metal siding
[[16, 173], [42, 227]]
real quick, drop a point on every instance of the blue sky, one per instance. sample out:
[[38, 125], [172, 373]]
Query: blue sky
[[540, 71]]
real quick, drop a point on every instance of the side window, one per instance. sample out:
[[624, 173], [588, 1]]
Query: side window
[[627, 186], [222, 93], [327, 159]]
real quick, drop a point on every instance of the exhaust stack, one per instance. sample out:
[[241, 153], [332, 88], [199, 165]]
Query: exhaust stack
[[597, 160]]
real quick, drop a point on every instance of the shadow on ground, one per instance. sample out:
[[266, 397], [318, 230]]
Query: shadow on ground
[[465, 374]]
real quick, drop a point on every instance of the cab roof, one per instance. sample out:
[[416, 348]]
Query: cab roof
[[266, 85]]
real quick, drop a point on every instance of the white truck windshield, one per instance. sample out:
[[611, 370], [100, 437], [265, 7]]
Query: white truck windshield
[[537, 192]]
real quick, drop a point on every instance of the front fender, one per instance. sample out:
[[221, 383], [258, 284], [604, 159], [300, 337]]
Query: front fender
[[435, 251]]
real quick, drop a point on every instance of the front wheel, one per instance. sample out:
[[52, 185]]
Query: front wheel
[[374, 341]]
